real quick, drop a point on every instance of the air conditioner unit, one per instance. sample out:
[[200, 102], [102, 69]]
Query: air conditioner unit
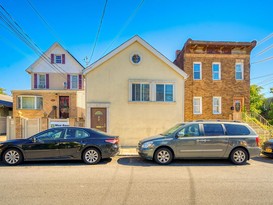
[[41, 86]]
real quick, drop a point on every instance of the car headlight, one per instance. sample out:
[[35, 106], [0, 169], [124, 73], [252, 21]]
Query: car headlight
[[147, 145]]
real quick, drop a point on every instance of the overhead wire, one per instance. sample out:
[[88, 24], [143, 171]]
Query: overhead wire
[[14, 27], [265, 39], [98, 32], [124, 26]]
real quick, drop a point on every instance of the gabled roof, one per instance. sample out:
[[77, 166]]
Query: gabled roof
[[47, 53], [127, 44]]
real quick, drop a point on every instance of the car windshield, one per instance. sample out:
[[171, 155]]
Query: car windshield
[[172, 130]]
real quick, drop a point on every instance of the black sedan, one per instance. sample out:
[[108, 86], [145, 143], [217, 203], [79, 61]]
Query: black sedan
[[65, 143], [267, 148]]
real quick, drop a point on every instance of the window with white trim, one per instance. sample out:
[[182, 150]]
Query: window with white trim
[[74, 81], [30, 102], [217, 105], [58, 59], [140, 92], [164, 92], [42, 81], [239, 71], [151, 91], [216, 71], [197, 105], [197, 71]]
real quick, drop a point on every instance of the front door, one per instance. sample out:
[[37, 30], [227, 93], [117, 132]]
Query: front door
[[64, 107], [237, 108], [98, 119]]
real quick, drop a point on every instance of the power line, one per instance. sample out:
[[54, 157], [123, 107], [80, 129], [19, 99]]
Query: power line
[[263, 51], [15, 28], [97, 36], [264, 60], [265, 39], [263, 76], [124, 26], [45, 22]]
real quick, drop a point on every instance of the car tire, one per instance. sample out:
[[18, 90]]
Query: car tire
[[12, 157], [91, 156], [163, 156], [238, 156]]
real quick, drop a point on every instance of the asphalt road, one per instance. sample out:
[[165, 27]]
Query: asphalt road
[[131, 180]]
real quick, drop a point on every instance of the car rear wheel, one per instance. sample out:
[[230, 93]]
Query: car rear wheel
[[91, 156], [163, 156], [12, 157], [239, 156]]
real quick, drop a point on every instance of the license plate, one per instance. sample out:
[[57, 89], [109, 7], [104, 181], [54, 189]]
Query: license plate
[[268, 150]]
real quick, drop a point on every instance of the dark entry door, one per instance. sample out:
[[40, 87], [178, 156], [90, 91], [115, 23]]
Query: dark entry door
[[64, 107], [98, 119]]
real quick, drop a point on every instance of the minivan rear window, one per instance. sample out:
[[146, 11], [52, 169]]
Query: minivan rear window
[[213, 129], [236, 129]]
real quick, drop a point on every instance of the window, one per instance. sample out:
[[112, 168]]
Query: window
[[197, 71], [213, 129], [74, 80], [217, 105], [140, 92], [216, 71], [58, 59], [152, 91], [239, 71], [189, 131], [197, 105], [164, 92], [30, 102], [236, 129], [42, 81], [49, 135]]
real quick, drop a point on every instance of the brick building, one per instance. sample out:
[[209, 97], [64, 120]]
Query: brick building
[[218, 86]]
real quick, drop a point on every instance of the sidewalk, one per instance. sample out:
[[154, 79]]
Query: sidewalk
[[128, 151]]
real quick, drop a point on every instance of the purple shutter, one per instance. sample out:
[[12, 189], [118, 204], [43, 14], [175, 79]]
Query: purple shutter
[[47, 81], [80, 82], [63, 58], [35, 80], [68, 81], [52, 58]]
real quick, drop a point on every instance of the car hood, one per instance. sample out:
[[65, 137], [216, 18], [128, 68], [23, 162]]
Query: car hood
[[269, 142], [153, 138]]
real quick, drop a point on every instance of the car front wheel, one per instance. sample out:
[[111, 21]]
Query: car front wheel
[[12, 157], [239, 156], [91, 156], [163, 156]]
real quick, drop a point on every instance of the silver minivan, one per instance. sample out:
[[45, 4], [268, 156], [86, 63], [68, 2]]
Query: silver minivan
[[202, 140]]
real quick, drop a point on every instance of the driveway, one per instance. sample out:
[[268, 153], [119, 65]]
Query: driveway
[[132, 180]]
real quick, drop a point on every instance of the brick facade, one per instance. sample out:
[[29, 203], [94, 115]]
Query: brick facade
[[227, 88]]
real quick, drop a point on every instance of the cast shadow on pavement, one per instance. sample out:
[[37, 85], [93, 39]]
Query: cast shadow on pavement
[[57, 163], [264, 159], [137, 161]]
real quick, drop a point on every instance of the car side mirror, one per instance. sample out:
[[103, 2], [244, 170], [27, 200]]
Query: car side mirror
[[34, 139]]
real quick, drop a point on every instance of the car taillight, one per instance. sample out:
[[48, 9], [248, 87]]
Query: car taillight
[[113, 141], [258, 141]]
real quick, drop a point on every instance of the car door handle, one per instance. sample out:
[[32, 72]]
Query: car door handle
[[203, 140]]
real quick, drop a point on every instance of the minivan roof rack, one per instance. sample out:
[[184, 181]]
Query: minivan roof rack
[[217, 120]]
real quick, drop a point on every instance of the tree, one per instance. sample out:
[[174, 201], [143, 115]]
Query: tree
[[257, 99], [2, 91]]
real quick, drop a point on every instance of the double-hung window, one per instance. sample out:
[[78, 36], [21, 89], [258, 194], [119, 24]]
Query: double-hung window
[[30, 102], [140, 92], [74, 82], [239, 71], [197, 105], [58, 59], [216, 71], [42, 81], [217, 105], [164, 92], [197, 71]]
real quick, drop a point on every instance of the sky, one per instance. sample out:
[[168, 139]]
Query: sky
[[166, 25]]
